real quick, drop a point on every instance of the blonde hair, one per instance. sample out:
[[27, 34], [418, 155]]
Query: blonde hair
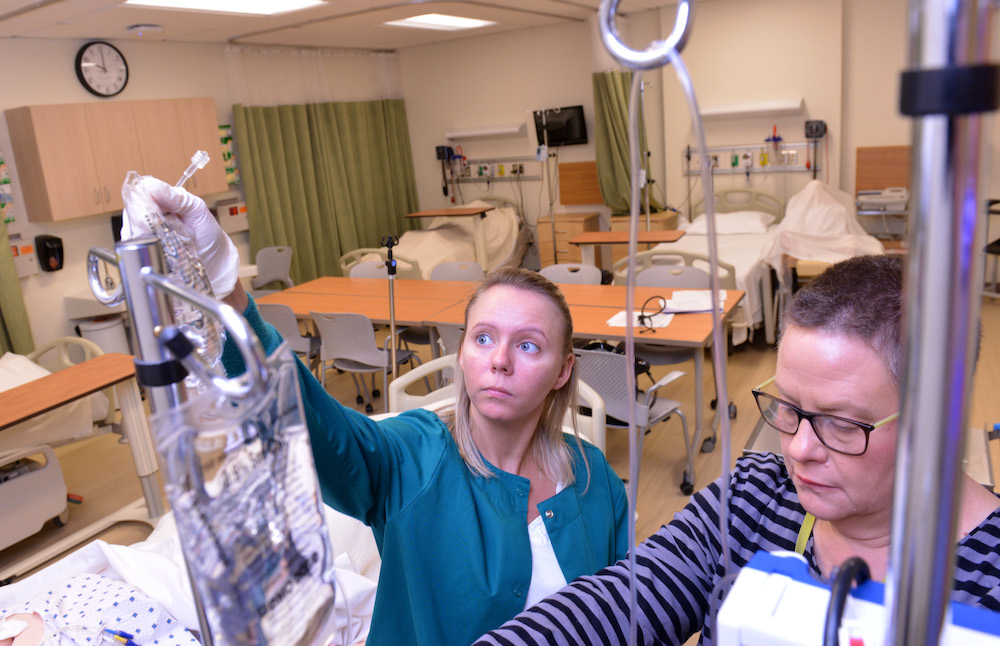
[[548, 447]]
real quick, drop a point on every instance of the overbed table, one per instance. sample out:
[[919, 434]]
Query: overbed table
[[41, 395], [590, 239]]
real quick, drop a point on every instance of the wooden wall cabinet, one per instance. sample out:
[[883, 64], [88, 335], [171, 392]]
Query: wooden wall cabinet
[[657, 222], [71, 159], [568, 226]]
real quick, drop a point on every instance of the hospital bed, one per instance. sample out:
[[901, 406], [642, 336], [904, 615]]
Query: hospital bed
[[451, 239], [746, 220]]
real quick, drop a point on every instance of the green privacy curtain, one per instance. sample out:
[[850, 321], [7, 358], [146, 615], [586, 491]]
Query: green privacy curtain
[[611, 91], [15, 329], [325, 178]]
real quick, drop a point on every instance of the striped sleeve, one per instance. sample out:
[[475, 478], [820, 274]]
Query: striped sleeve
[[676, 568]]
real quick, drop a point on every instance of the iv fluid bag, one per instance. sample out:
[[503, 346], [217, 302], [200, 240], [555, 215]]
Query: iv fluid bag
[[184, 266], [242, 483]]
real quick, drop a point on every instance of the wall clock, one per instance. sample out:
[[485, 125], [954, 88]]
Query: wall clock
[[101, 68]]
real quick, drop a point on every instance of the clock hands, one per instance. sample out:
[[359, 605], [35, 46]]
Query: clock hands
[[103, 65]]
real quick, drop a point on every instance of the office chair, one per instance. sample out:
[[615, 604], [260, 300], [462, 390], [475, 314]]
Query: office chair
[[605, 373], [369, 269], [572, 273], [284, 321], [348, 341], [458, 270], [274, 264]]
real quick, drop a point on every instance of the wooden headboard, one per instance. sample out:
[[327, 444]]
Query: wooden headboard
[[880, 167], [578, 183]]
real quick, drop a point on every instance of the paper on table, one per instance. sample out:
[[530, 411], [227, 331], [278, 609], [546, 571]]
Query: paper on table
[[692, 300], [657, 320]]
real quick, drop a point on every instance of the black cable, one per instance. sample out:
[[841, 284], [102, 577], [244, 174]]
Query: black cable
[[646, 320], [853, 570]]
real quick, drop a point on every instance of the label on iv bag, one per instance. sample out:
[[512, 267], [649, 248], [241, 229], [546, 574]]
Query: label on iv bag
[[242, 482]]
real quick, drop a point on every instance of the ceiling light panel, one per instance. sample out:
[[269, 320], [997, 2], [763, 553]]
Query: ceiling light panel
[[440, 22]]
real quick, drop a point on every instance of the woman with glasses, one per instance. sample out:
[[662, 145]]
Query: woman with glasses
[[835, 401]]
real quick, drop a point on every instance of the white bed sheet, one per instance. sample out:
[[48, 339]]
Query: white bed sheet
[[155, 568], [744, 252]]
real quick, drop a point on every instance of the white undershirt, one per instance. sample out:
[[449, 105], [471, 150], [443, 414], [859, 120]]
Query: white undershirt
[[546, 575]]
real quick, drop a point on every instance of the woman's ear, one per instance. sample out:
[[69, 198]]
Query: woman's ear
[[565, 371]]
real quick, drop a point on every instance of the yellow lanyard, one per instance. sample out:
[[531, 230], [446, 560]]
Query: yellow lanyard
[[804, 532]]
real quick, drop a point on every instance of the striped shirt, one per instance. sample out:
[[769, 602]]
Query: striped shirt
[[678, 567]]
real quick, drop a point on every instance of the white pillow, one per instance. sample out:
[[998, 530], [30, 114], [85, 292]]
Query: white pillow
[[733, 223]]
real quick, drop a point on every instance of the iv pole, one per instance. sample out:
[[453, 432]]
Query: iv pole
[[390, 264]]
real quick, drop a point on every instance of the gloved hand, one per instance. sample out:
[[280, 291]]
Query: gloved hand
[[216, 250]]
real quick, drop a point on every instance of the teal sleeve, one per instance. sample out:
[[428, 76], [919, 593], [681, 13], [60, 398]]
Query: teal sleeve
[[357, 460]]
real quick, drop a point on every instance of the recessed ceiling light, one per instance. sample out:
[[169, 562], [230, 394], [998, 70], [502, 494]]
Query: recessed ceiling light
[[440, 22], [254, 7]]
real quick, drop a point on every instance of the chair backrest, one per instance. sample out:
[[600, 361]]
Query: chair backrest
[[348, 336], [274, 264], [675, 276], [283, 319], [605, 373], [458, 270], [57, 355], [572, 272], [670, 257], [592, 427], [406, 268], [369, 269], [450, 336], [400, 400]]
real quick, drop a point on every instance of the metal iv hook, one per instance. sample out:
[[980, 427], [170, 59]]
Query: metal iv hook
[[658, 53]]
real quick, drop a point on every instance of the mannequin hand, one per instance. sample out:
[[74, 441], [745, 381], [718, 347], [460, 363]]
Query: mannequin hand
[[216, 250]]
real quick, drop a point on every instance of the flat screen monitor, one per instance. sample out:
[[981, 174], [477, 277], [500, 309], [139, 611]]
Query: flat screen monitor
[[565, 126]]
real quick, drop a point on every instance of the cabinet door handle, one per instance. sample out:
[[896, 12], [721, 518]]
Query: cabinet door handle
[[97, 195], [107, 195]]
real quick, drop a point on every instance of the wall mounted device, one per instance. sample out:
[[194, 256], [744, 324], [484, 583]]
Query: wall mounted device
[[50, 252], [561, 126]]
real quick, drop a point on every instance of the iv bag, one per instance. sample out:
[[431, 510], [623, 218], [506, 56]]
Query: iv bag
[[242, 483], [183, 266]]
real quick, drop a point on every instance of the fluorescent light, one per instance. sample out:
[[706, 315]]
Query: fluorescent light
[[440, 22], [255, 7]]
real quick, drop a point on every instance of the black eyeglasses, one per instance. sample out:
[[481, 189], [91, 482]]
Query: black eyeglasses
[[646, 314], [839, 434]]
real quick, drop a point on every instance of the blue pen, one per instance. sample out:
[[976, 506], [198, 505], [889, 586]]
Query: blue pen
[[121, 636]]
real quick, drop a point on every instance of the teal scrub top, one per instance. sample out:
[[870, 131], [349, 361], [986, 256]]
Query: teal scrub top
[[456, 559]]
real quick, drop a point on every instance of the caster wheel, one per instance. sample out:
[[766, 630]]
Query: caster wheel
[[714, 402], [708, 445], [376, 393], [359, 400], [732, 411], [687, 488], [61, 519], [369, 409]]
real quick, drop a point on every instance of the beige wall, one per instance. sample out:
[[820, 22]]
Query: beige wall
[[44, 75]]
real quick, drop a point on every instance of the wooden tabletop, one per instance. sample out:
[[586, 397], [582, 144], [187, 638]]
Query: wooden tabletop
[[621, 237], [436, 213], [51, 391], [408, 310], [380, 286]]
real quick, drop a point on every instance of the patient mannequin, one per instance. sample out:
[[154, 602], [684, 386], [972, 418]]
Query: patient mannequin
[[477, 515]]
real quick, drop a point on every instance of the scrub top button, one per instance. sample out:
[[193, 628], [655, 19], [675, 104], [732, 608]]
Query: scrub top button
[[549, 514], [517, 591], [520, 492]]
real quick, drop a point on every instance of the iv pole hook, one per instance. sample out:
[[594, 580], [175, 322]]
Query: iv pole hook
[[658, 53]]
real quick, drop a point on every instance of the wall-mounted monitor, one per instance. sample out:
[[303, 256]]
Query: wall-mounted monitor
[[564, 126]]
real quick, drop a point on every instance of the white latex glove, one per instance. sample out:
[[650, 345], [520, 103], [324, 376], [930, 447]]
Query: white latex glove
[[216, 250]]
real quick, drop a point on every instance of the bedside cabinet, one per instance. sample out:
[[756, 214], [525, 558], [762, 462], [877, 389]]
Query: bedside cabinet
[[657, 222], [568, 226]]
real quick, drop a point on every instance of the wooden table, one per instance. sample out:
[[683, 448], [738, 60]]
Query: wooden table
[[589, 239], [454, 289], [41, 395], [477, 230]]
